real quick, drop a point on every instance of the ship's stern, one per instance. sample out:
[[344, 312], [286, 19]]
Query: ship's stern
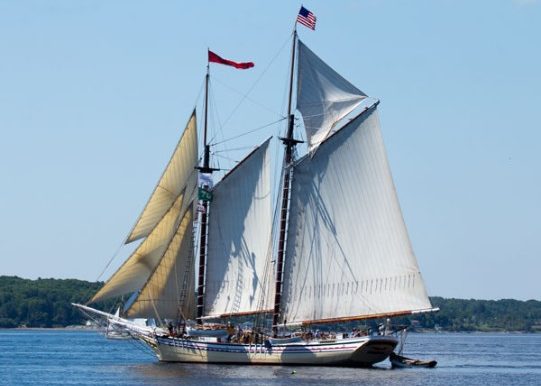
[[375, 350]]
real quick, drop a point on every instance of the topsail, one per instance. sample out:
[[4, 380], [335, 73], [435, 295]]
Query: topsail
[[323, 96]]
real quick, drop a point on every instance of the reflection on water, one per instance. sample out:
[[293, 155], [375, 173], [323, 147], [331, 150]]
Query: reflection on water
[[173, 373], [86, 358]]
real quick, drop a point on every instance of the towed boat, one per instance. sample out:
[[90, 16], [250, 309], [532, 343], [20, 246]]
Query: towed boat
[[399, 361]]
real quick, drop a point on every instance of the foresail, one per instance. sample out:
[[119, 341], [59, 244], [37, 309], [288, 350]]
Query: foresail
[[348, 251], [240, 221], [169, 292], [323, 96], [136, 270], [172, 182]]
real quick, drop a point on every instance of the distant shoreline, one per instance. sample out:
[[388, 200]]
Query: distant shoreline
[[46, 303], [68, 328]]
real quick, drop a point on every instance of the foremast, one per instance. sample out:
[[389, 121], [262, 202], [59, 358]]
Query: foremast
[[289, 146], [204, 169]]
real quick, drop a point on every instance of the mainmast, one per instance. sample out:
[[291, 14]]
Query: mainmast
[[204, 215], [289, 143]]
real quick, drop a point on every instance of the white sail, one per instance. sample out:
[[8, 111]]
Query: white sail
[[136, 270], [169, 292], [172, 182], [240, 220], [348, 251], [323, 96]]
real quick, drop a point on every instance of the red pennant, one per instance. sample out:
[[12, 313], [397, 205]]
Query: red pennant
[[213, 58]]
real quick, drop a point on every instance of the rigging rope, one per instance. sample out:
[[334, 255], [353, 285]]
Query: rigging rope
[[139, 345], [248, 132], [256, 82], [111, 259], [234, 149], [244, 97], [226, 158]]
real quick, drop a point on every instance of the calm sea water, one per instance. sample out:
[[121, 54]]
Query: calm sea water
[[86, 358]]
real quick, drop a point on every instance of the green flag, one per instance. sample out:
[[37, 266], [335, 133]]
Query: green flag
[[204, 195]]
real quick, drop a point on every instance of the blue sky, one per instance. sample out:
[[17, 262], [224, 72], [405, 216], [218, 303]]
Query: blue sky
[[94, 95]]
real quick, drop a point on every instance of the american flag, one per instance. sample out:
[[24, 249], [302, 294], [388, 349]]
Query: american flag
[[306, 18]]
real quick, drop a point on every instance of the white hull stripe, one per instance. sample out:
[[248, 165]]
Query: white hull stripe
[[243, 349]]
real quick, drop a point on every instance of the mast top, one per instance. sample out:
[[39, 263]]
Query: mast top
[[205, 168]]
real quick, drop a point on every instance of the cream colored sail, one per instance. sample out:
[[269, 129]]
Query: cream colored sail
[[172, 182], [323, 96], [169, 292], [136, 270], [240, 221], [348, 251]]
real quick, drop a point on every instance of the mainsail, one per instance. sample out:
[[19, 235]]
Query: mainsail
[[323, 96], [172, 182], [240, 221], [348, 255]]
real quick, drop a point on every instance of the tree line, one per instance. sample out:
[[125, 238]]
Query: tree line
[[47, 303], [481, 315], [43, 302]]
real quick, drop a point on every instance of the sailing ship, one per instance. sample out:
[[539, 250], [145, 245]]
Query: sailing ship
[[336, 249]]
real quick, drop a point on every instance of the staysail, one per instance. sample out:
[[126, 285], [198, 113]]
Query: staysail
[[240, 221], [136, 270], [323, 96], [158, 222], [172, 182], [348, 251], [169, 292]]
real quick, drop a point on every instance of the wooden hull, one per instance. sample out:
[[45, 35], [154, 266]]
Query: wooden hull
[[359, 352]]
